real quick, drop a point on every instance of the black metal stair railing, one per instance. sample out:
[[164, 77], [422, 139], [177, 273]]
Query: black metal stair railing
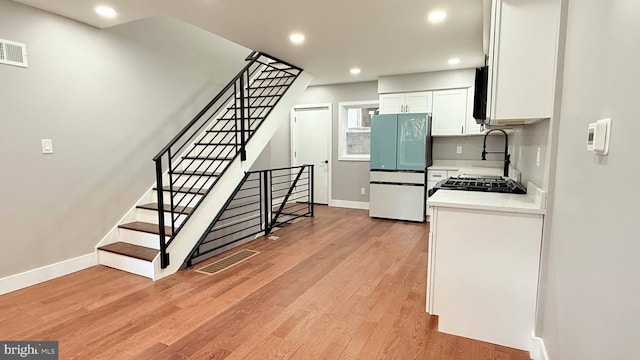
[[189, 166], [263, 200]]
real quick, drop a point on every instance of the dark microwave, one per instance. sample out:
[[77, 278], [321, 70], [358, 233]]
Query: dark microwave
[[480, 94]]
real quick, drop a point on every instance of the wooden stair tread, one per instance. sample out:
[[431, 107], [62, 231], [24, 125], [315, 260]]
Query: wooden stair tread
[[167, 208], [197, 172], [131, 250], [215, 158], [145, 227], [184, 190], [216, 144]]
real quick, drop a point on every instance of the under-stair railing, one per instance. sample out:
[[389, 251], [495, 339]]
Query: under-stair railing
[[189, 166], [263, 200]]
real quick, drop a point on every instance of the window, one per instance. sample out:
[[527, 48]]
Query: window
[[355, 129]]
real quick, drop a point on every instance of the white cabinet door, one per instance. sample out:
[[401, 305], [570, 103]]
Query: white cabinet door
[[449, 112], [391, 103], [485, 271], [471, 127], [418, 102], [522, 58], [400, 103]]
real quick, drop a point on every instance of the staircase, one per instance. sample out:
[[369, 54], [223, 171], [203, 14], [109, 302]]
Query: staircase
[[199, 170]]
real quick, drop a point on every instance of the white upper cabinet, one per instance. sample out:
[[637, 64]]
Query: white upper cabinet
[[411, 102], [471, 127], [449, 114], [418, 102], [522, 59]]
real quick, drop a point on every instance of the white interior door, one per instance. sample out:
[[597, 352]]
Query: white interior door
[[311, 138]]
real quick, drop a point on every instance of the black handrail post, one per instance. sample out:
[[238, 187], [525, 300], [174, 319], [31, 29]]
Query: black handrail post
[[311, 182], [164, 257], [267, 202], [243, 152], [173, 222], [248, 104]]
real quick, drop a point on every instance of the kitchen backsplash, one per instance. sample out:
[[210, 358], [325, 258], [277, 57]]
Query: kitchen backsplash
[[526, 142], [444, 147], [523, 147]]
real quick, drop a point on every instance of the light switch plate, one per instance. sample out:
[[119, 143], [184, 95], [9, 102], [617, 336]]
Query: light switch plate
[[459, 149], [47, 146]]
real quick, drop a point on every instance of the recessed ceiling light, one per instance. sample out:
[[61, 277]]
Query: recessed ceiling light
[[106, 11], [296, 38], [437, 16], [355, 71], [454, 61]]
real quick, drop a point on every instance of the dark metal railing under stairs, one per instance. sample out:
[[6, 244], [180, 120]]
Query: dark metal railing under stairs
[[190, 165], [263, 200]]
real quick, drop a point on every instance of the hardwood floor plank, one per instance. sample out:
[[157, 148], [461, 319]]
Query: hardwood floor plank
[[337, 286]]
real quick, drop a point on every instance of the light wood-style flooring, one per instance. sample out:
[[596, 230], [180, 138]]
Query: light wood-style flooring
[[338, 286]]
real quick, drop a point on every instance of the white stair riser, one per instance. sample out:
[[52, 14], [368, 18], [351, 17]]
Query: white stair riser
[[226, 126], [211, 151], [126, 263], [193, 181], [205, 165], [140, 238], [151, 216], [216, 137], [180, 199]]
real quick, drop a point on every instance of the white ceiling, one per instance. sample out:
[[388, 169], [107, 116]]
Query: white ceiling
[[381, 37]]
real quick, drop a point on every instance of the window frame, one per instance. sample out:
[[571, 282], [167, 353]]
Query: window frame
[[343, 108]]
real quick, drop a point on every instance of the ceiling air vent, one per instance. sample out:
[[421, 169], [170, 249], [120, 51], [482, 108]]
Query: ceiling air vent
[[13, 53]]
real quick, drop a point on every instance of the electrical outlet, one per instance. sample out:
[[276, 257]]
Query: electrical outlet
[[363, 191], [459, 149], [538, 157], [47, 146]]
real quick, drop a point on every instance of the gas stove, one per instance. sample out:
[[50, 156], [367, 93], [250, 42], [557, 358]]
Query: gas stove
[[484, 183]]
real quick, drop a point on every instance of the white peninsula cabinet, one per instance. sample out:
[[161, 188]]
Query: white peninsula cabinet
[[482, 277], [410, 102]]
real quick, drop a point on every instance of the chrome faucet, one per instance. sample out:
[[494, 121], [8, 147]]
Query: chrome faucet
[[507, 157]]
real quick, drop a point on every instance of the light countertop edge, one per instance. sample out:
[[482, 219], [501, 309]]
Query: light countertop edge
[[513, 203]]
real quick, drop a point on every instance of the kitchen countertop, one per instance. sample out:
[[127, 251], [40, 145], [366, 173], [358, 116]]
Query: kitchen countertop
[[480, 200]]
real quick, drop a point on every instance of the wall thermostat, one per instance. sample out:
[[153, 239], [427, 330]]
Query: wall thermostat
[[598, 137]]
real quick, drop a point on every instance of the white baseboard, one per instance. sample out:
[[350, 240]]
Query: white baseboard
[[538, 350], [349, 204], [45, 273]]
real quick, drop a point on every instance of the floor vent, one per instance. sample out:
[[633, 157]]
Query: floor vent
[[227, 262], [13, 53]]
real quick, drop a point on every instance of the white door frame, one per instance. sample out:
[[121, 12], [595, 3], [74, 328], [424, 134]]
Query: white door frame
[[329, 107]]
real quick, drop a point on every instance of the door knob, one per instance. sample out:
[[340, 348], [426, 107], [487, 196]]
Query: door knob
[[326, 161]]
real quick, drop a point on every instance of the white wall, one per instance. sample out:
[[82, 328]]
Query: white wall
[[348, 176], [591, 288], [435, 80], [109, 99]]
